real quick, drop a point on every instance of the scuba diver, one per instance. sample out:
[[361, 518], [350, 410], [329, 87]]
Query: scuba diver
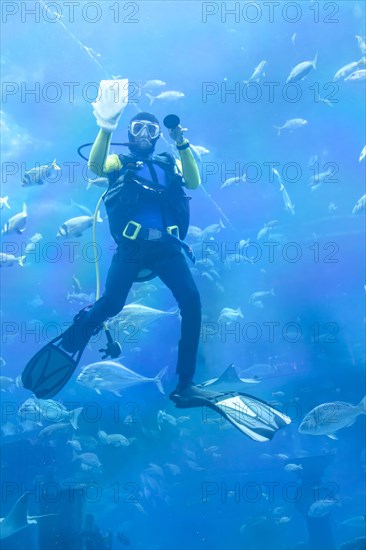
[[148, 214]]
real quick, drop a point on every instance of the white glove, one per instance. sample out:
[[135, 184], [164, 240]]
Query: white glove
[[110, 103]]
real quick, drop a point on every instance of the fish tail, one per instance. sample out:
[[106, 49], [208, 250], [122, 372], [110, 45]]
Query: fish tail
[[74, 415], [55, 166], [277, 128], [99, 218], [151, 98], [21, 260], [158, 378], [362, 405]]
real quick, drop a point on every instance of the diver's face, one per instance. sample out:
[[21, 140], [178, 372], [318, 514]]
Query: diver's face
[[143, 140]]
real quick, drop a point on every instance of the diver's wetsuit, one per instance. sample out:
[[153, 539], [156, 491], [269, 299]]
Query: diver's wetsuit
[[165, 258]]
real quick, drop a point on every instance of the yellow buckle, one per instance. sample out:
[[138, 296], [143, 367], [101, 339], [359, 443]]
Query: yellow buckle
[[173, 230], [136, 230]]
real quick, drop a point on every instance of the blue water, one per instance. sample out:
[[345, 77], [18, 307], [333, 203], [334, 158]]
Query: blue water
[[225, 490]]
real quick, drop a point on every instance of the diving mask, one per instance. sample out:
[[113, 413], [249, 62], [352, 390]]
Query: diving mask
[[137, 126]]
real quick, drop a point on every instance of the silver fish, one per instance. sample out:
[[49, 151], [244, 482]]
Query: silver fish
[[113, 377], [321, 508], [39, 175], [228, 315], [291, 125], [357, 76], [199, 150], [328, 418], [361, 43], [360, 205], [350, 68], [116, 440], [232, 181], [286, 198], [293, 467], [32, 244], [139, 315], [166, 96], [9, 260], [76, 284], [212, 230], [257, 73], [259, 295], [49, 410], [98, 182], [4, 202], [362, 154], [301, 70], [76, 226], [152, 84], [17, 223]]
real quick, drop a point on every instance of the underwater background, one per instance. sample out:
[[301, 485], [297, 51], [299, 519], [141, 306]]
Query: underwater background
[[182, 480]]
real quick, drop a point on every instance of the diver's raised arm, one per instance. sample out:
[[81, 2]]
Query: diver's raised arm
[[189, 166]]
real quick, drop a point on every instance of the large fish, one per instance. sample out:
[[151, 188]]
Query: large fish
[[114, 377], [350, 68], [257, 73], [291, 125], [76, 226], [328, 418], [139, 315], [49, 410], [357, 76], [39, 175], [166, 96], [17, 223], [360, 205], [301, 70], [9, 260], [18, 519], [229, 381]]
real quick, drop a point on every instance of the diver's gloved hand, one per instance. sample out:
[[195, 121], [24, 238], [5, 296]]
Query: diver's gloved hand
[[177, 134], [110, 103]]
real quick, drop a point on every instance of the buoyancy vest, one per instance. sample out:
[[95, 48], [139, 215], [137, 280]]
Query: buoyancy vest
[[141, 180]]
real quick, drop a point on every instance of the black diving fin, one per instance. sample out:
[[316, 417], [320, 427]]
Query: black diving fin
[[252, 416], [50, 369]]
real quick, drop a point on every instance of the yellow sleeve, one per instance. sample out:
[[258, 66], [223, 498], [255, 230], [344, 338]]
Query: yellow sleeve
[[100, 162], [189, 168]]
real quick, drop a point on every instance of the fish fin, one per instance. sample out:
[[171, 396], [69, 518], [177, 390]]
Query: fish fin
[[315, 60], [332, 436], [151, 98], [117, 393], [158, 378], [98, 391], [74, 417], [24, 208], [362, 405]]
